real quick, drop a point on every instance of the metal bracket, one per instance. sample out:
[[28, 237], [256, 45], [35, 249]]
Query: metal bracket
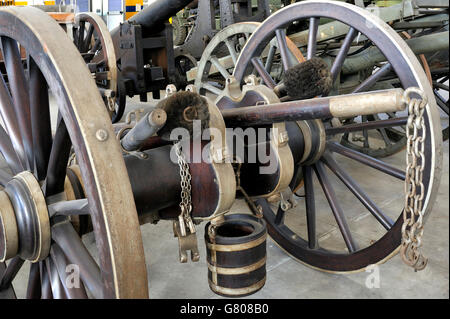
[[287, 199], [185, 243]]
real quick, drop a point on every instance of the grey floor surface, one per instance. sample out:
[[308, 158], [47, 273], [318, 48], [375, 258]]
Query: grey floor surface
[[287, 278]]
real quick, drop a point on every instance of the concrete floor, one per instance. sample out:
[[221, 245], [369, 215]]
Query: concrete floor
[[287, 278]]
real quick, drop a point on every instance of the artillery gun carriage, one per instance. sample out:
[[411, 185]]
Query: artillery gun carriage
[[267, 134]]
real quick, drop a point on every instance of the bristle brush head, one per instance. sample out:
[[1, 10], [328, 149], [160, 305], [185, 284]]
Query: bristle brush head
[[183, 108], [308, 79]]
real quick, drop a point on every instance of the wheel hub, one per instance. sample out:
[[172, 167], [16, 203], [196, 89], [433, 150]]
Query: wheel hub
[[314, 138], [24, 220]]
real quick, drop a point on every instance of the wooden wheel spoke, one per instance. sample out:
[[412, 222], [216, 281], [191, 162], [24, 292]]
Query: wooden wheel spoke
[[220, 67], [366, 160], [386, 139], [259, 67], [6, 292], [18, 85], [88, 38], [342, 54], [383, 133], [440, 85], [5, 177], [444, 79], [40, 119], [283, 48], [59, 156], [46, 289], [81, 29], [269, 60], [310, 207], [34, 282], [312, 37], [66, 237], [395, 122], [356, 189], [442, 103], [96, 46], [439, 95], [365, 133], [11, 125], [373, 78], [211, 88], [279, 217], [55, 283], [11, 271], [69, 208], [335, 207], [59, 260], [231, 50], [8, 152]]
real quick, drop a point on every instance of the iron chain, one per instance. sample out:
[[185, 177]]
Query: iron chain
[[413, 215], [184, 218]]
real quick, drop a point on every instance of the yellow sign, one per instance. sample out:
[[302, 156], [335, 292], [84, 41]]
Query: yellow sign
[[132, 7], [4, 3]]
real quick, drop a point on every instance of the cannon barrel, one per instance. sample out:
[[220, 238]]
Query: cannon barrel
[[157, 13], [421, 45]]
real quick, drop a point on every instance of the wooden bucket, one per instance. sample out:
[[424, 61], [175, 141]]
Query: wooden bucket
[[236, 256]]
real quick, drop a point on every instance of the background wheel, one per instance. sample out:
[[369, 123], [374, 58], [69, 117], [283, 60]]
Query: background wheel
[[183, 63], [93, 40], [179, 31], [220, 56]]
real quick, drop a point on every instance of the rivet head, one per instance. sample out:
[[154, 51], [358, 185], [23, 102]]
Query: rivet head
[[101, 135]]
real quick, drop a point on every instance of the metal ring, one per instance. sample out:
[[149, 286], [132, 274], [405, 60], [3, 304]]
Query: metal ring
[[237, 271], [8, 223], [237, 291], [237, 247]]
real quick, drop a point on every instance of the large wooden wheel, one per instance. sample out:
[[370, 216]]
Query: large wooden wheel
[[35, 212], [298, 231]]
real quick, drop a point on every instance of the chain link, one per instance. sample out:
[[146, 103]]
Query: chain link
[[412, 229], [184, 218]]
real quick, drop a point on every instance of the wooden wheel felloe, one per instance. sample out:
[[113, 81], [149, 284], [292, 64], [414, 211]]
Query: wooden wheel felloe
[[297, 231], [37, 160]]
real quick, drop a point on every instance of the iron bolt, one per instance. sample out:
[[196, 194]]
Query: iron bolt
[[101, 135]]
